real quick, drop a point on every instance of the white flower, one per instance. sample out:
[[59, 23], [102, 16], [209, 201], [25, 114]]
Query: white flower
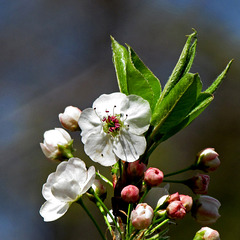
[[53, 138], [65, 186], [113, 128], [69, 119]]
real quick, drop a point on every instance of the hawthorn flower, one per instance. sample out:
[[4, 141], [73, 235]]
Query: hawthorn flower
[[57, 144], [113, 128], [65, 186]]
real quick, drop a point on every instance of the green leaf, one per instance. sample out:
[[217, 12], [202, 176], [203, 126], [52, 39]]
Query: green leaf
[[183, 65], [219, 79], [203, 100], [176, 105], [138, 84], [120, 59], [147, 74]]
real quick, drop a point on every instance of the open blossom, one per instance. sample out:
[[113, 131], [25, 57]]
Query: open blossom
[[65, 186], [113, 128], [52, 139], [69, 119]]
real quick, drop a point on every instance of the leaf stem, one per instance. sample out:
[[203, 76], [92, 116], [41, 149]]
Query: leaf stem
[[192, 167], [104, 178], [106, 209]]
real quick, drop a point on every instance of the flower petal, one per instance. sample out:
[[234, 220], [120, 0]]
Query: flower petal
[[51, 211], [138, 114], [128, 146], [109, 102], [99, 148], [90, 179], [89, 123]]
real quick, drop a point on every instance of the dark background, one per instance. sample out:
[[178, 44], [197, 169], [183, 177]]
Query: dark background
[[55, 53]]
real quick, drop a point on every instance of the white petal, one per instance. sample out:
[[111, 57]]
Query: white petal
[[46, 189], [99, 148], [90, 179], [45, 150], [89, 123], [52, 211], [128, 146], [109, 102], [70, 178], [66, 191], [139, 114], [65, 134]]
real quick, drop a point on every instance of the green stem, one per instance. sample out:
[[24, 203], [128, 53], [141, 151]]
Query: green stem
[[104, 179], [92, 218], [128, 232], [105, 217], [120, 167], [106, 209], [144, 194], [192, 167], [158, 226]]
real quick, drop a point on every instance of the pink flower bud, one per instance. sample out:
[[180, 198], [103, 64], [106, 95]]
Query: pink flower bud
[[69, 119], [176, 210], [142, 216], [136, 169], [206, 233], [174, 197], [205, 210], [130, 194], [199, 183], [153, 177], [187, 202], [208, 160]]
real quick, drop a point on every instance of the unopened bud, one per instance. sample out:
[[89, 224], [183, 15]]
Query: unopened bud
[[174, 197], [187, 202], [57, 144], [153, 177], [136, 169], [176, 210], [99, 189], [198, 183], [141, 217], [69, 119], [206, 233], [207, 160], [130, 194], [205, 210]]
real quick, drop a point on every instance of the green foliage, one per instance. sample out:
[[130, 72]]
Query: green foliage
[[181, 100], [133, 76]]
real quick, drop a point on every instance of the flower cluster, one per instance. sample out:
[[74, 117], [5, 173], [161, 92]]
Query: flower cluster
[[120, 131]]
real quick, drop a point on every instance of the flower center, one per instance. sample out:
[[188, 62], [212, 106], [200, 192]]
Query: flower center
[[112, 125]]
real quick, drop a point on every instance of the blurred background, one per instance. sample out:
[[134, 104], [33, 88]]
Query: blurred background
[[55, 53]]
